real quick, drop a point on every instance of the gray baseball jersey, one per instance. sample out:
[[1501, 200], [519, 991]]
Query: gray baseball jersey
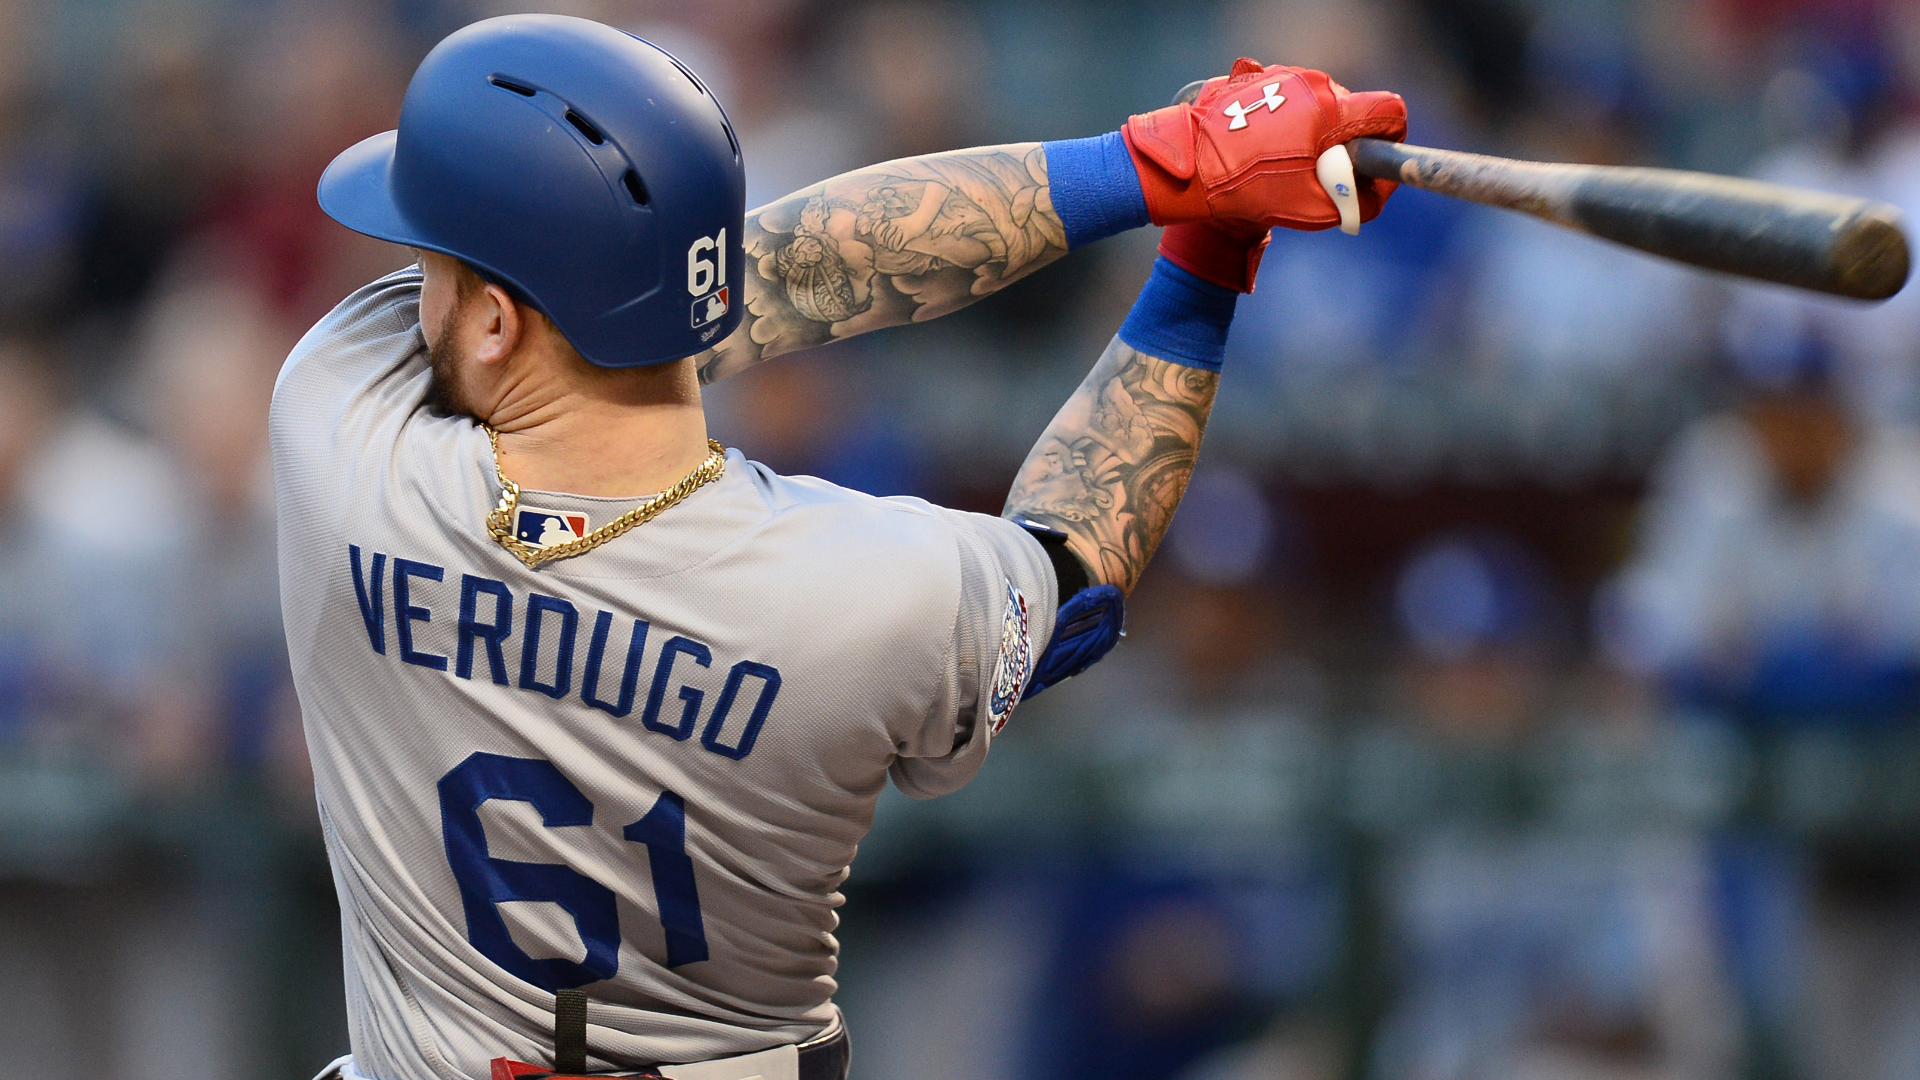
[[643, 770]]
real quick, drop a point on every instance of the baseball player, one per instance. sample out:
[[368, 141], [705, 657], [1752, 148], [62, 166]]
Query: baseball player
[[598, 710]]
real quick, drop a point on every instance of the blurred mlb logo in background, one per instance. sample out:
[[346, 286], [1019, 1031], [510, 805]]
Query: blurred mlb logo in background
[[546, 528]]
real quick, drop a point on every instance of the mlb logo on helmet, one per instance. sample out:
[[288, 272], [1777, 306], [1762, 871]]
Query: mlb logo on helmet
[[545, 528], [711, 307]]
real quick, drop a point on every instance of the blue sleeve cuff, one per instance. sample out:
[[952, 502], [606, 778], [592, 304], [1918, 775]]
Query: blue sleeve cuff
[[1180, 318], [1095, 187]]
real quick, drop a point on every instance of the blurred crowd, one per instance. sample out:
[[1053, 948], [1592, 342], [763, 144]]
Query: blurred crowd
[[1527, 687]]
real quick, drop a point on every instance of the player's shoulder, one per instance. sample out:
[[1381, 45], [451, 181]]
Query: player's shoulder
[[893, 536], [786, 493], [381, 320], [889, 519], [385, 305]]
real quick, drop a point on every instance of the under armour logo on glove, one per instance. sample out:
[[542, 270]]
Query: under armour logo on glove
[[1206, 160], [1271, 97]]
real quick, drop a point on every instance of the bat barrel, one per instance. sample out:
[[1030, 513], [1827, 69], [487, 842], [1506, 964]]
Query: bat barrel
[[1829, 243], [1849, 247]]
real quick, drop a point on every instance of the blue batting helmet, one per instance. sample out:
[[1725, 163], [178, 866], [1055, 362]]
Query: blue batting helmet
[[576, 164]]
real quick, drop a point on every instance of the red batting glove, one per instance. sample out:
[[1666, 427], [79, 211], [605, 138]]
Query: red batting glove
[[1245, 149], [1224, 252]]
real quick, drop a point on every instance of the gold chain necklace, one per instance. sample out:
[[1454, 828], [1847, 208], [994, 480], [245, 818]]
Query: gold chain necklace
[[500, 519]]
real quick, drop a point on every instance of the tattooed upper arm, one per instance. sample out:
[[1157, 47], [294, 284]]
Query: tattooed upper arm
[[1111, 467], [900, 242]]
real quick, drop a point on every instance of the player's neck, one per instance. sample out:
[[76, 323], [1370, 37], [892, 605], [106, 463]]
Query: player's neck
[[608, 433]]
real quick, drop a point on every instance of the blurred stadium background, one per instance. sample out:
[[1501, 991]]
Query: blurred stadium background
[[1527, 689]]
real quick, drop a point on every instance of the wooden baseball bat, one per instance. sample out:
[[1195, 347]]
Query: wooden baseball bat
[[1810, 239]]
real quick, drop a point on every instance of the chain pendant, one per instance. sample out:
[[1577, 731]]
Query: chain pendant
[[500, 519]]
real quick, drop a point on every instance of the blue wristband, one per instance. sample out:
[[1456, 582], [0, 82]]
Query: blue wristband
[[1180, 318], [1095, 187]]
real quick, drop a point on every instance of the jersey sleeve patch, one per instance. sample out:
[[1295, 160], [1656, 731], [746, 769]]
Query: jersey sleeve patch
[[1015, 663]]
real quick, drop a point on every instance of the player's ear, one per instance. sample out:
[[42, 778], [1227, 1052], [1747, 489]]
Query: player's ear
[[502, 325]]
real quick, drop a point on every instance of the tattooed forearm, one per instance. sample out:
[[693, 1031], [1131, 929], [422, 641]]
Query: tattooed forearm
[[1112, 466], [906, 241]]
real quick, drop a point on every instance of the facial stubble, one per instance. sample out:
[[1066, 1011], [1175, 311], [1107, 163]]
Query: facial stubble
[[444, 396]]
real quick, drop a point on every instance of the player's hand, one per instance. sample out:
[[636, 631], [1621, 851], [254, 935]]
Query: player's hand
[[1244, 151], [1226, 253]]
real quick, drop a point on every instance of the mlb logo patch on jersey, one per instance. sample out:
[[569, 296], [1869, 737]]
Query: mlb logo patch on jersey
[[545, 528], [1015, 663], [710, 307]]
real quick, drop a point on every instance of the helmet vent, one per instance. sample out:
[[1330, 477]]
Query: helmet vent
[[691, 77], [509, 84], [585, 127], [732, 140], [634, 187]]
